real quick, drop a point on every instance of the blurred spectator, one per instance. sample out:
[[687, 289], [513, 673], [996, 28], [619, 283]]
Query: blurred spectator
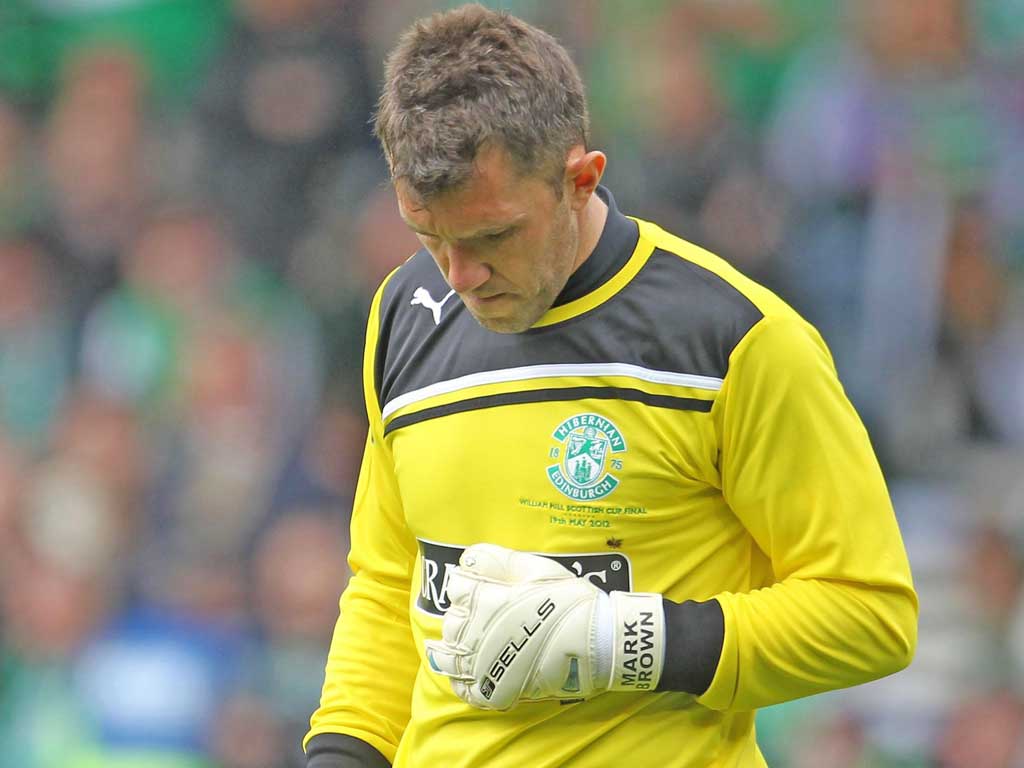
[[249, 735], [152, 684], [283, 105], [228, 460], [35, 342], [381, 24], [877, 141], [227, 364], [984, 732], [994, 573], [838, 743], [975, 281], [95, 154], [53, 597], [217, 482], [323, 470], [174, 270], [298, 575], [20, 184], [753, 42], [103, 438], [985, 310], [984, 334], [181, 273], [695, 166], [174, 38], [339, 267], [89, 680], [17, 64], [70, 519], [12, 473], [336, 450]]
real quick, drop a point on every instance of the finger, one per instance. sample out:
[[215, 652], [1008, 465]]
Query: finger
[[461, 586], [487, 561], [470, 693], [453, 626], [475, 695], [443, 658], [461, 690], [496, 563]]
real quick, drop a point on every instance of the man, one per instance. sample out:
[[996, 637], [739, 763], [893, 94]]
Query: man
[[613, 497]]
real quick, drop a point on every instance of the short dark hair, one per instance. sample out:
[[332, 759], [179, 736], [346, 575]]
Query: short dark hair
[[470, 76]]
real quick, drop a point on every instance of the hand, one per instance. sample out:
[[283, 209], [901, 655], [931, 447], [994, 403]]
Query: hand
[[523, 628]]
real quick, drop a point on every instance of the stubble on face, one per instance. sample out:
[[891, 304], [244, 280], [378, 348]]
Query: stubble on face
[[553, 263], [513, 284]]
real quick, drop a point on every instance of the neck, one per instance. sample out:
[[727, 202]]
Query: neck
[[591, 220]]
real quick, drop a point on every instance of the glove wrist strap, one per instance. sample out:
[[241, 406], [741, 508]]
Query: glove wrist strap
[[638, 650]]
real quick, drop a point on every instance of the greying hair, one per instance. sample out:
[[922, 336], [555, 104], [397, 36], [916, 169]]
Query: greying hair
[[460, 79]]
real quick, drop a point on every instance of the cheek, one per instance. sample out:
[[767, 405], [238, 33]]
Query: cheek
[[559, 251], [528, 264]]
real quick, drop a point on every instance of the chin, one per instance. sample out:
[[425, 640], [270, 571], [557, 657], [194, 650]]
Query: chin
[[518, 317], [504, 324]]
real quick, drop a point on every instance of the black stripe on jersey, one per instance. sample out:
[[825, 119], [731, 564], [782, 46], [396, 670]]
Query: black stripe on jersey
[[550, 395]]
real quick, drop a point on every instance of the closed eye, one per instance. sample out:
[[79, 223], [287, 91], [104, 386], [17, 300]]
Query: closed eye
[[497, 237]]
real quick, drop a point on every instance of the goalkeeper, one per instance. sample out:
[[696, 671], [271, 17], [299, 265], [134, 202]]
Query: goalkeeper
[[613, 497]]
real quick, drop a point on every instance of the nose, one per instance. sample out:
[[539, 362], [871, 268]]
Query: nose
[[465, 273]]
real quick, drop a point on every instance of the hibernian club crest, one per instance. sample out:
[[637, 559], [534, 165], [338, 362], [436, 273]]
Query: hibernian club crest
[[587, 443]]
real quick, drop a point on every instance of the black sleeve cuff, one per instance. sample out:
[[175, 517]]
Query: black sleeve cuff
[[694, 633], [338, 750]]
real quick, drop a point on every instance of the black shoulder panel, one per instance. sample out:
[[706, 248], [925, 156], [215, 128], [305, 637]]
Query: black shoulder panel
[[678, 316], [673, 316], [406, 328]]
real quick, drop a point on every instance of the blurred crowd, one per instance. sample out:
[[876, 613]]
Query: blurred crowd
[[194, 215]]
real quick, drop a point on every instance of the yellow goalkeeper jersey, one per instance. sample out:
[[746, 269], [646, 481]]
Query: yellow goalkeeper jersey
[[669, 426]]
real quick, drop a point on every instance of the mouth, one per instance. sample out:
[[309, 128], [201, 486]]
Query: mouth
[[500, 312], [484, 301]]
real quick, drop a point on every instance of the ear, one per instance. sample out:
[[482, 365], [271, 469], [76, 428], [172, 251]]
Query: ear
[[583, 171]]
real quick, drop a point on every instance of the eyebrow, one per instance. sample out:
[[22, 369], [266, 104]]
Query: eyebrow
[[482, 232]]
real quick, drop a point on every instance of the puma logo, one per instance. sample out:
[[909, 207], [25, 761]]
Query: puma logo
[[422, 297]]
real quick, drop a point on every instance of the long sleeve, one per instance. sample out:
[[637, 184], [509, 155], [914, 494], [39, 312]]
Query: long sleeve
[[798, 470], [372, 661]]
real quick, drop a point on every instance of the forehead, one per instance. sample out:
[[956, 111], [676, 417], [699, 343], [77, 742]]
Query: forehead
[[496, 193]]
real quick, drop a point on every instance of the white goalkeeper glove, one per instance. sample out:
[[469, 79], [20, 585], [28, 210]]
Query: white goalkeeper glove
[[520, 627]]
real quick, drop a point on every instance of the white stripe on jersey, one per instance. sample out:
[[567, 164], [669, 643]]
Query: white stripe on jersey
[[529, 372]]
